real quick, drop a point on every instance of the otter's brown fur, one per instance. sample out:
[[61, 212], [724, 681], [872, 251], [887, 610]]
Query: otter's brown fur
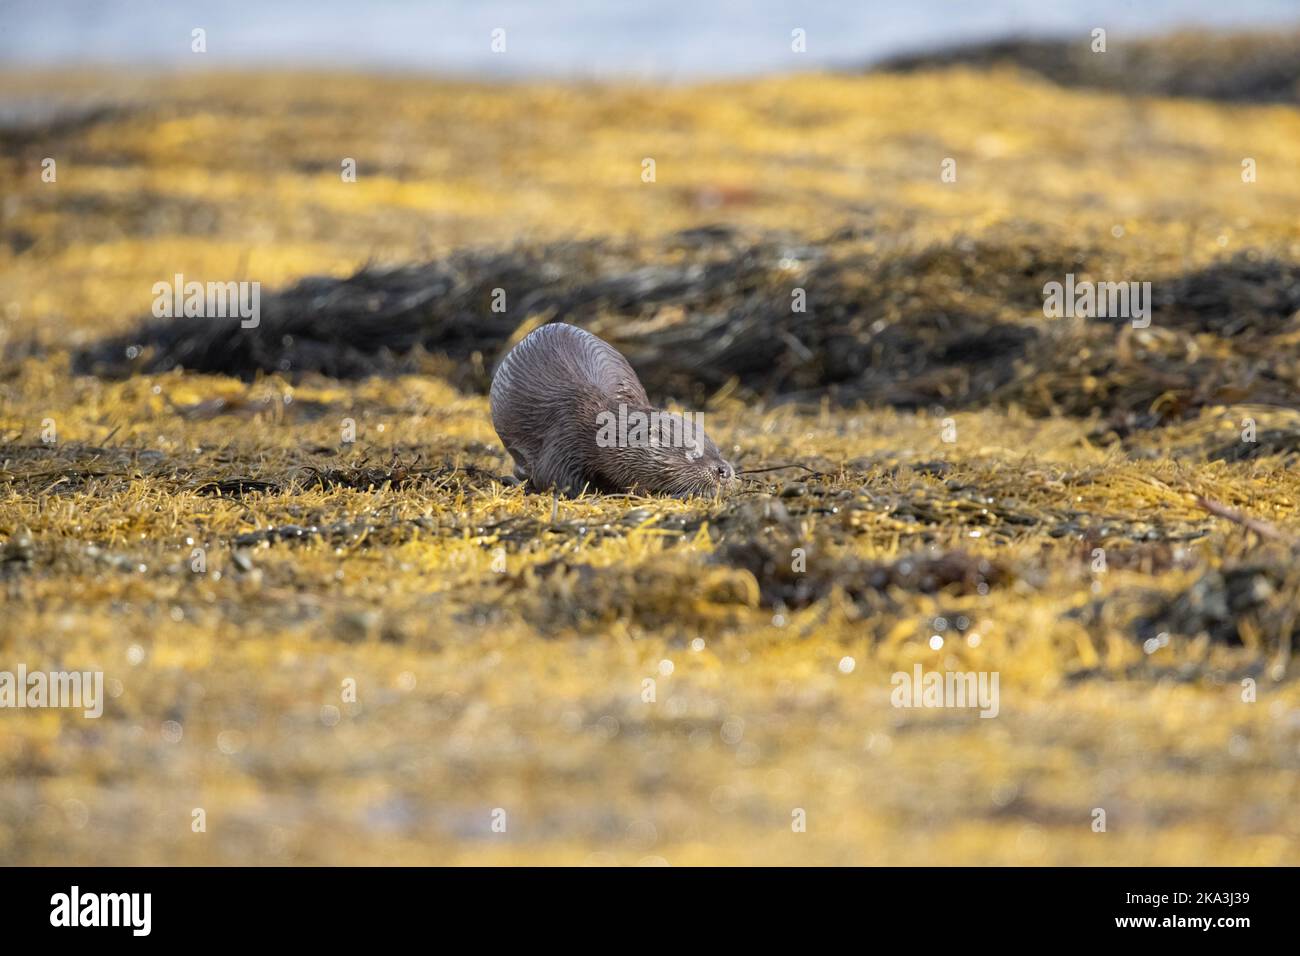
[[548, 395]]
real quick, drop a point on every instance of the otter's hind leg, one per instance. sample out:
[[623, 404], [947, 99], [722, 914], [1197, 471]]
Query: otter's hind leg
[[559, 467], [519, 473]]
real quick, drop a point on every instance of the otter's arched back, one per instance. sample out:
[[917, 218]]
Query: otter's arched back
[[558, 357]]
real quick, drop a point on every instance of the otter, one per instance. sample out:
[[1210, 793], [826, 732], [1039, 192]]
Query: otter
[[574, 416]]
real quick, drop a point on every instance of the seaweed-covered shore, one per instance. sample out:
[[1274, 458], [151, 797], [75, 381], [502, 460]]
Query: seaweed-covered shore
[[958, 325], [324, 619], [1249, 68]]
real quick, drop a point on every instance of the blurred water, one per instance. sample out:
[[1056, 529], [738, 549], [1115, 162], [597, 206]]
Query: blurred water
[[660, 38]]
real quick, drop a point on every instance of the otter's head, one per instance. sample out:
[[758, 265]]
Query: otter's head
[[667, 453]]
